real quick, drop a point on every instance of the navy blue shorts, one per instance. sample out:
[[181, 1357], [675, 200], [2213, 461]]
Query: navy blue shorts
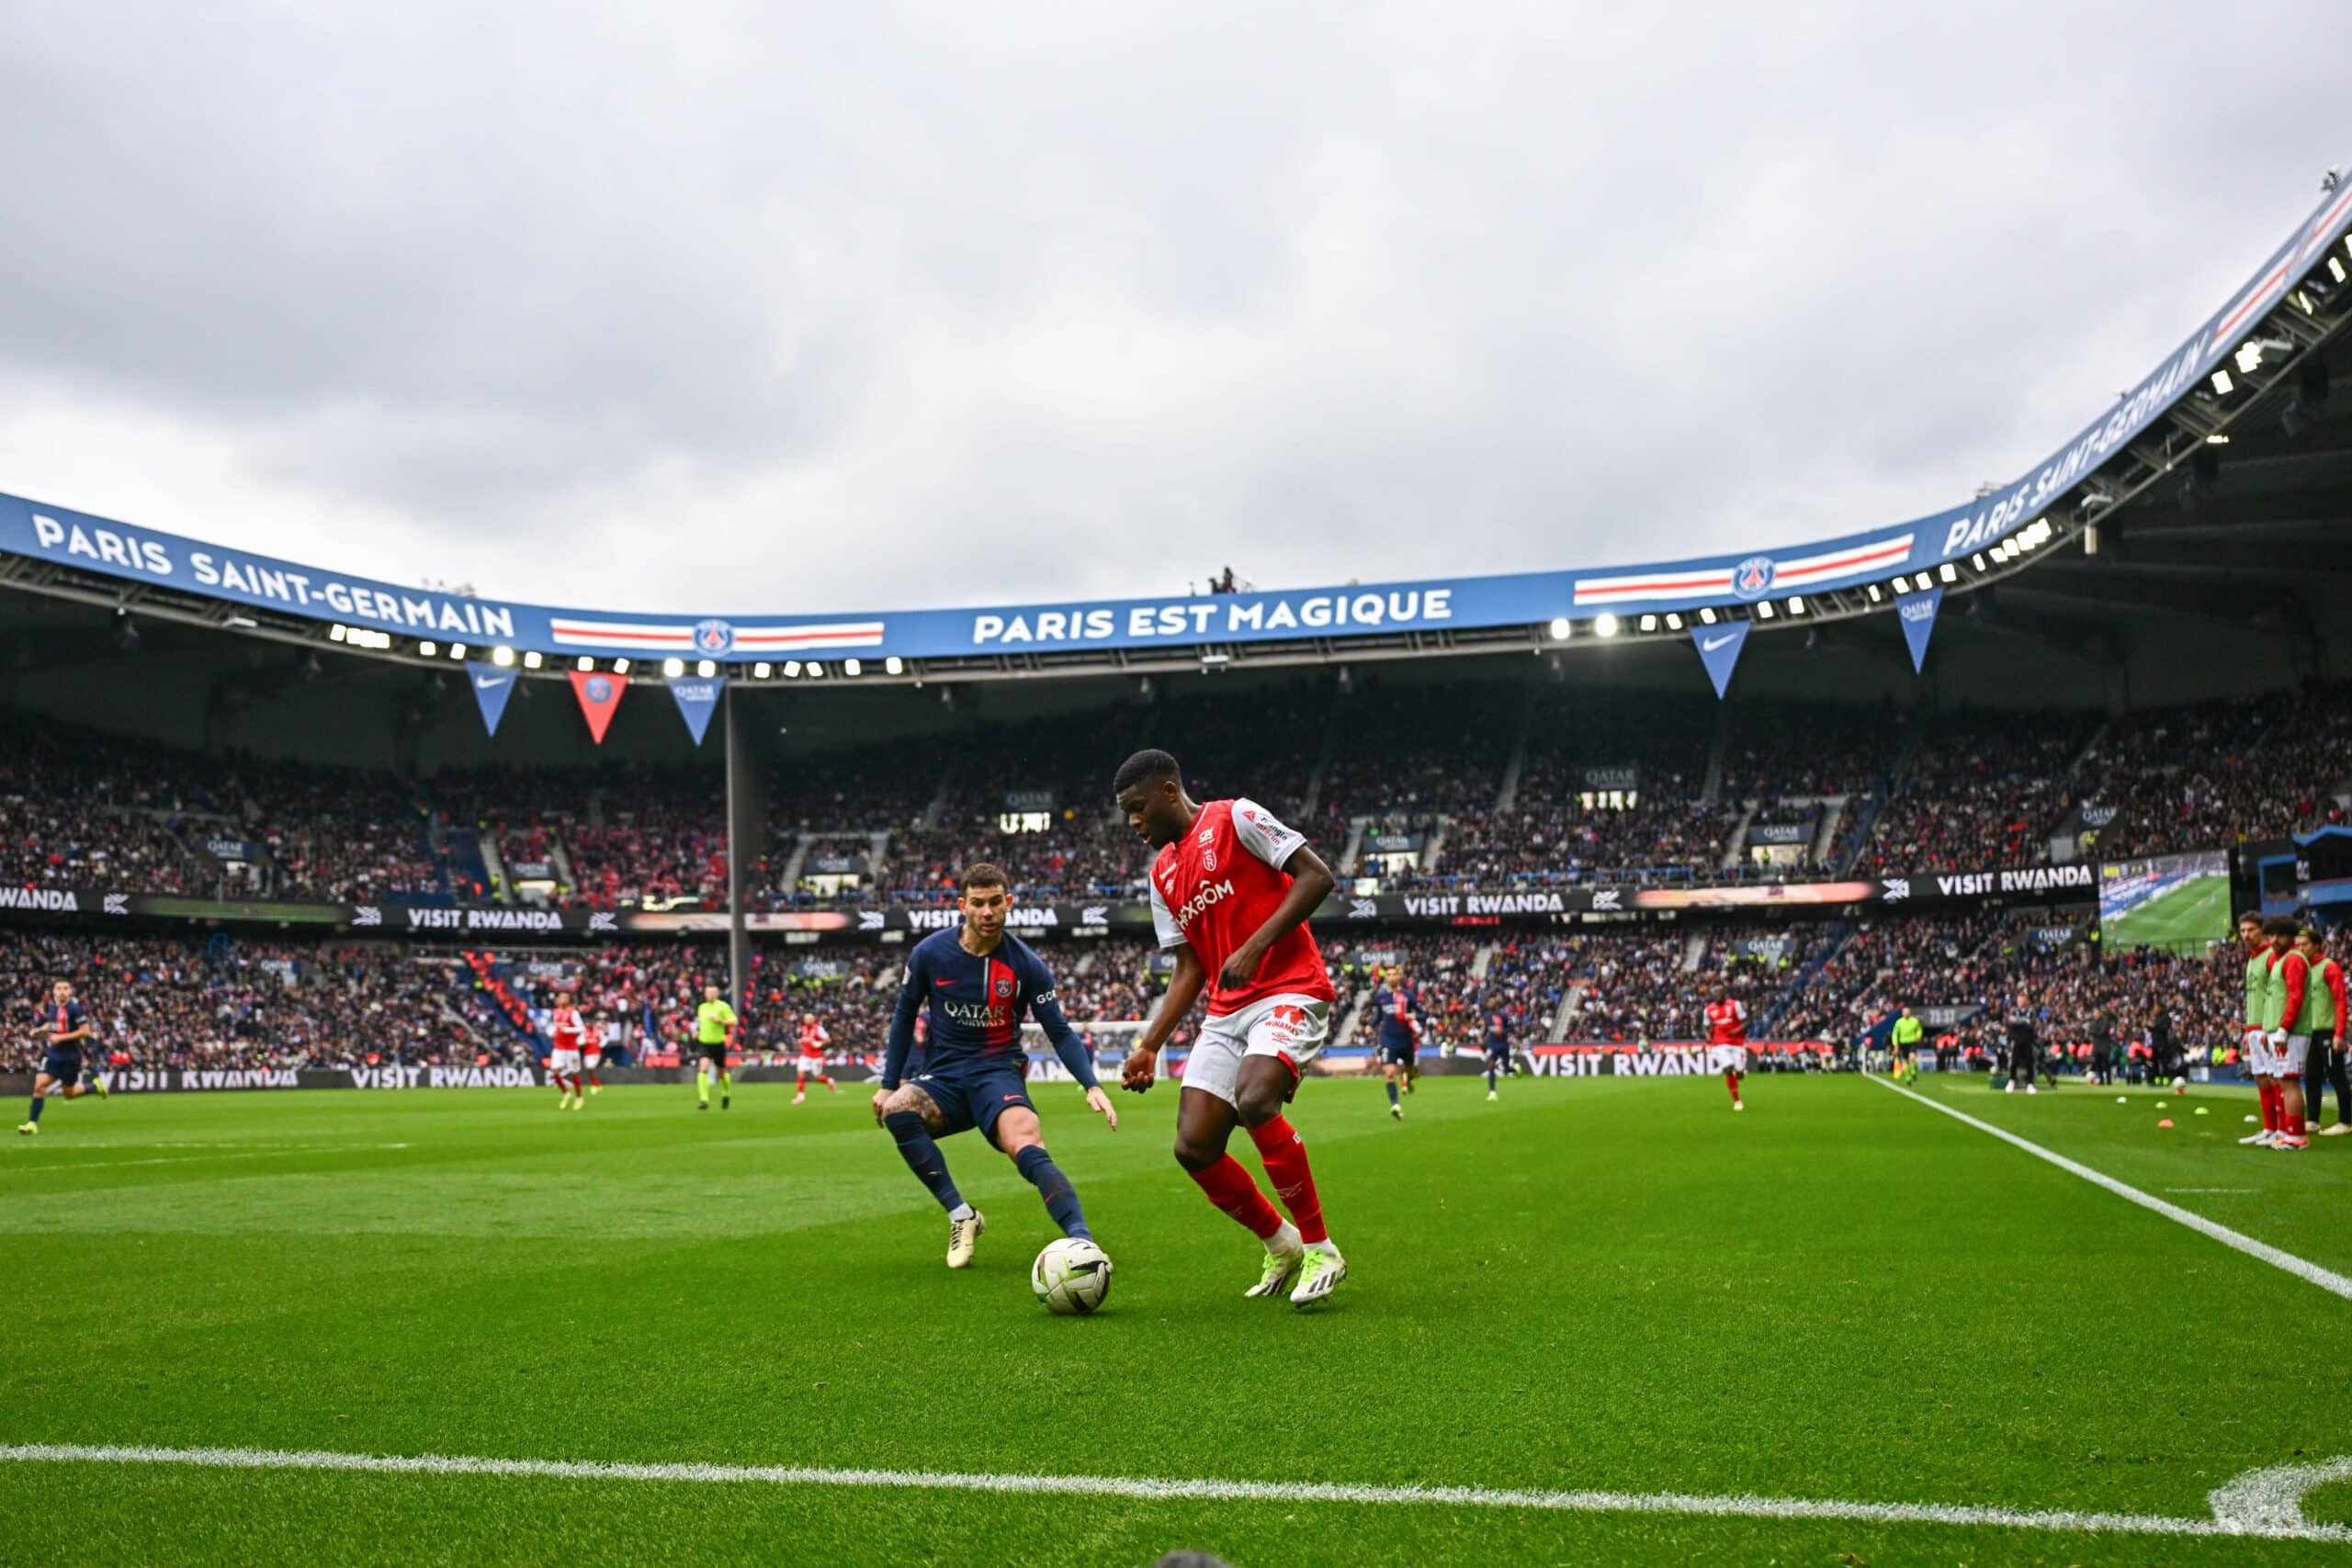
[[65, 1066], [974, 1094], [1402, 1056]]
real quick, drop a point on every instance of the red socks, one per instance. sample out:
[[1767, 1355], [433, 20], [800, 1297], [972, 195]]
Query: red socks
[[1731, 1082], [1284, 1153], [1232, 1189], [2271, 1107]]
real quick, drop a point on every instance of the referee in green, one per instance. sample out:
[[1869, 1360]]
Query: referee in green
[[713, 1027], [1907, 1033]]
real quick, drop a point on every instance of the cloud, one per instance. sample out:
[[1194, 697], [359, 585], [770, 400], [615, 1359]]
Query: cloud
[[830, 307]]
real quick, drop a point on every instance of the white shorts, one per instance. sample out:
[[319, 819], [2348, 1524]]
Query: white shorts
[[814, 1067], [1285, 1025], [1727, 1058], [2293, 1057], [2260, 1059], [563, 1061], [595, 1059]]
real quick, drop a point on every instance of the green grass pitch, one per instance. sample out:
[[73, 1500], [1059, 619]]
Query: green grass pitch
[[1614, 1285], [2197, 911]]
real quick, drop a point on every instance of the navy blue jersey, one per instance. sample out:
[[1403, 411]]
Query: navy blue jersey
[[1497, 1034], [64, 1020], [1395, 1011], [975, 1002]]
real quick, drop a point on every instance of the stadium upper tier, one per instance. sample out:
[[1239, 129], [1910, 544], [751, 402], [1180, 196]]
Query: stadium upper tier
[[2258, 358]]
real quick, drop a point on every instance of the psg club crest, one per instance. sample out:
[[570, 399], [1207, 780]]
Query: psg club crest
[[1004, 988], [599, 689], [1752, 579], [713, 637]]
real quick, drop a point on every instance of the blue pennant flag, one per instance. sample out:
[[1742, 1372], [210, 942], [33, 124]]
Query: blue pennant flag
[[492, 686], [1718, 648], [1918, 614], [697, 697]]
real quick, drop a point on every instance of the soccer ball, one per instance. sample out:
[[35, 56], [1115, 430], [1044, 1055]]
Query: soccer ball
[[1071, 1277]]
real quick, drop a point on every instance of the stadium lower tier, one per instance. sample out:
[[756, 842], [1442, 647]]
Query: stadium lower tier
[[1975, 982]]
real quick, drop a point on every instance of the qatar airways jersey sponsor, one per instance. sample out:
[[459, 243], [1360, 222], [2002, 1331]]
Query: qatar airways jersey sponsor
[[1728, 1023], [1214, 886]]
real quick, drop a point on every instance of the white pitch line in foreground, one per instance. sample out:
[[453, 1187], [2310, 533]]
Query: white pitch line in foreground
[[2300, 1267], [2269, 1508]]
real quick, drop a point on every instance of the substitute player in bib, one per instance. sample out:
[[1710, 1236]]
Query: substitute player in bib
[[568, 1031], [813, 1041], [1231, 889], [66, 1029], [2290, 1016], [2255, 1039], [975, 983], [1727, 1043], [714, 1031], [2326, 1064]]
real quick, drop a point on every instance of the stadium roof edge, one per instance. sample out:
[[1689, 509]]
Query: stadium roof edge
[[2242, 362]]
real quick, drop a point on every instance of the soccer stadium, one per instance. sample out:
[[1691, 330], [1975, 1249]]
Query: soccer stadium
[[1797, 1042]]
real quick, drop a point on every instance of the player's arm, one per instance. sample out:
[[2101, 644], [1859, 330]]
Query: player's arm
[[2334, 972], [1046, 1008], [902, 1028], [1185, 989], [2296, 972], [1311, 883]]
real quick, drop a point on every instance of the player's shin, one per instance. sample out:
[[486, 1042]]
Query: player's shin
[[1284, 1153], [38, 1101], [1061, 1198], [1229, 1187], [922, 1154]]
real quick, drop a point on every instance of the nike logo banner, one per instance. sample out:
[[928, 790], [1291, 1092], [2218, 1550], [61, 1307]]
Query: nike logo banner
[[698, 698], [491, 687], [1917, 613], [1719, 649], [599, 694]]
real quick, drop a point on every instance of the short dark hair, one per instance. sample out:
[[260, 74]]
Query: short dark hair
[[2253, 915], [980, 874], [2279, 925], [1144, 767]]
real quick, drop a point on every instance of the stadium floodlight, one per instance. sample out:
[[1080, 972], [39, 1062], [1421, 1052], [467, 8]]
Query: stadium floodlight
[[583, 664], [1902, 584], [1560, 628], [816, 669], [1707, 615], [762, 672], [620, 666], [1871, 588], [1649, 623], [533, 660], [1796, 603], [706, 667], [1673, 622], [852, 667], [2335, 269], [457, 650], [1977, 560], [1948, 572], [894, 665], [2217, 439], [336, 634], [428, 648], [2223, 385], [674, 667], [1764, 610], [1604, 625], [502, 656], [791, 668]]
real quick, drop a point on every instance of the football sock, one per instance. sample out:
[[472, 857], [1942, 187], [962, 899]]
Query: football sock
[[1731, 1082], [922, 1157], [38, 1100], [1229, 1187], [1284, 1154], [1392, 1091], [594, 1081], [726, 1083], [1490, 1077], [702, 1086], [2270, 1094], [1038, 1169], [800, 1084]]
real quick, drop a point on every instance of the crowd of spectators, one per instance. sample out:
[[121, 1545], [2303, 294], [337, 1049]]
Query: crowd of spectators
[[2206, 777], [1985, 789], [165, 1002]]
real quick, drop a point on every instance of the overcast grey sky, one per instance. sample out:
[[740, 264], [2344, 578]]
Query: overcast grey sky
[[848, 307]]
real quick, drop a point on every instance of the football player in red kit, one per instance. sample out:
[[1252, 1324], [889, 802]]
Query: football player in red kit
[[566, 1029], [1727, 1043], [1231, 888], [813, 1040]]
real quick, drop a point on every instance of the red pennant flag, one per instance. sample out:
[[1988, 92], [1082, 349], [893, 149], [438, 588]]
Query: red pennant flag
[[599, 696]]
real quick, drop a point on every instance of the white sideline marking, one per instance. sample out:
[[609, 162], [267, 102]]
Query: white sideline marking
[[2303, 1268], [2262, 1503]]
